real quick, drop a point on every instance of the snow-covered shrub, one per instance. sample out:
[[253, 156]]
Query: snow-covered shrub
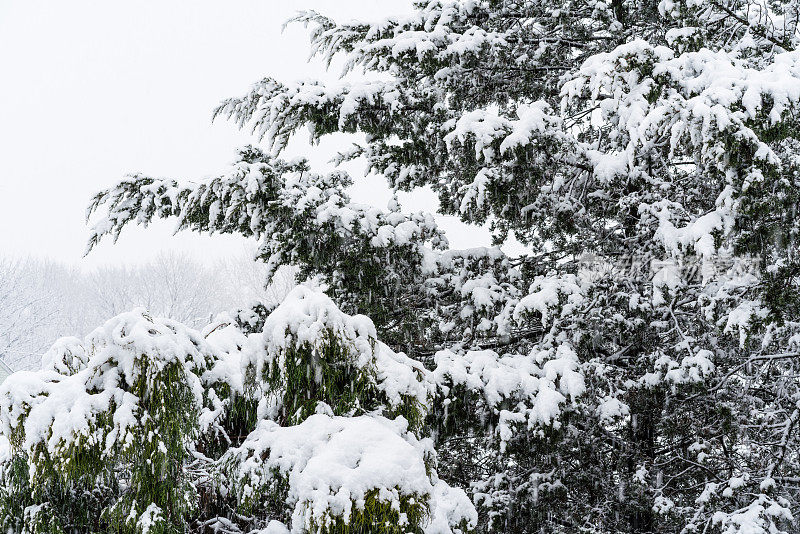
[[118, 423], [337, 473], [347, 474], [311, 352], [146, 425]]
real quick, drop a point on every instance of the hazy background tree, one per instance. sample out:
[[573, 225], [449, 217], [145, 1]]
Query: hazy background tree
[[43, 300], [35, 296]]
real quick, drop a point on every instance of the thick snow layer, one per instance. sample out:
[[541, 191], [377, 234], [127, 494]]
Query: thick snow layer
[[5, 449], [549, 292], [150, 519], [611, 408], [274, 527], [307, 316], [333, 463], [227, 340], [66, 356], [704, 96], [488, 128], [400, 376], [740, 318], [57, 409]]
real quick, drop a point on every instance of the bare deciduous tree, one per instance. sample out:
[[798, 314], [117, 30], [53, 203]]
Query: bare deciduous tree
[[42, 300]]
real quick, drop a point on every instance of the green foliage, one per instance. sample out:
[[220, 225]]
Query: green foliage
[[157, 452], [124, 469], [331, 371], [659, 138], [378, 517]]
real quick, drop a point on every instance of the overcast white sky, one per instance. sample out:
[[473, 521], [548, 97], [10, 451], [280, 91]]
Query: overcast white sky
[[92, 90]]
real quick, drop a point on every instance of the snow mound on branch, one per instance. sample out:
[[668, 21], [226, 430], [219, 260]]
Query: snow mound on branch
[[228, 341], [704, 98], [5, 449], [538, 384], [66, 356], [451, 508], [333, 465], [488, 127], [307, 316], [399, 376], [59, 410], [547, 294], [274, 527]]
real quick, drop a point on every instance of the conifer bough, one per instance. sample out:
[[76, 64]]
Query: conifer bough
[[636, 370]]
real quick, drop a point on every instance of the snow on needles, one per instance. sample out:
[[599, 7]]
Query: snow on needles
[[334, 465], [537, 385], [94, 394], [59, 410], [306, 316]]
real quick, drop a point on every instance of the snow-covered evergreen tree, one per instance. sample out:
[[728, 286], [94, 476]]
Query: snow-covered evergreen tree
[[635, 371], [309, 425]]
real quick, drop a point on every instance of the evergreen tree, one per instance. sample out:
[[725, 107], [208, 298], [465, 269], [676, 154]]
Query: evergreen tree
[[635, 371], [148, 426]]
